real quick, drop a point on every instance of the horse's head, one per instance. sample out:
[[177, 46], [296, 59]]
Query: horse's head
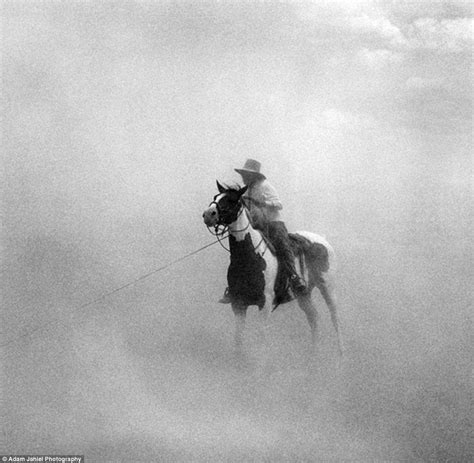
[[225, 207]]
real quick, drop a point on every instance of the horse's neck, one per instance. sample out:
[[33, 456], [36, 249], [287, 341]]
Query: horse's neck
[[242, 227]]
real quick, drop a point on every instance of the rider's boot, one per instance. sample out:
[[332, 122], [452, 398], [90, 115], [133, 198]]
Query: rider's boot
[[297, 284], [225, 299]]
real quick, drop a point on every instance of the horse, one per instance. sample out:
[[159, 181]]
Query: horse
[[253, 268]]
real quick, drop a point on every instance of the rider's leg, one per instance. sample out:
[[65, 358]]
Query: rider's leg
[[279, 237]]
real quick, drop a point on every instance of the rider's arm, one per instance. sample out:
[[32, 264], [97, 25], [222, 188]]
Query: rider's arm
[[270, 197]]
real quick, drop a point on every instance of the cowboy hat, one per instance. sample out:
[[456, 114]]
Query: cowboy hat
[[251, 167]]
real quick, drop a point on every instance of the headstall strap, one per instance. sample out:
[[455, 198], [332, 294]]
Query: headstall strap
[[225, 227]]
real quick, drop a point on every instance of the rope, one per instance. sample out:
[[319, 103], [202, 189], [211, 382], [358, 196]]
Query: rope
[[110, 293], [143, 277], [219, 234]]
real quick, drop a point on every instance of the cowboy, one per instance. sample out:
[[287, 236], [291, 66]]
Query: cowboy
[[264, 206]]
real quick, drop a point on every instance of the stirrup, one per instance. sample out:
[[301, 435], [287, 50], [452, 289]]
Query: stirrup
[[225, 299], [297, 284]]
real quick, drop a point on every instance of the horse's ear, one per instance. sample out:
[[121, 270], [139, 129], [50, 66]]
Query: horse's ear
[[243, 190], [220, 187]]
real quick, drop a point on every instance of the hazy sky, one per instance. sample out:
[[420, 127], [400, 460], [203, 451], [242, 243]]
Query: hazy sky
[[128, 103]]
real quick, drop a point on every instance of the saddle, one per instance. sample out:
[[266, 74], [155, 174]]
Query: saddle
[[313, 255]]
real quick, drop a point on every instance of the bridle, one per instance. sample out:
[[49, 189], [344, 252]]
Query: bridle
[[226, 217]]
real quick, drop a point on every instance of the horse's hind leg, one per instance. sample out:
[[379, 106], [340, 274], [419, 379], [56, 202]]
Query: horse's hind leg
[[328, 295], [311, 313]]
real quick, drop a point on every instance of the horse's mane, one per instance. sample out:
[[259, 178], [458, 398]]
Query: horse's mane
[[233, 187]]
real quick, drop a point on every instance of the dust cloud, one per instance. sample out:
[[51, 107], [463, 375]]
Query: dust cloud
[[118, 119]]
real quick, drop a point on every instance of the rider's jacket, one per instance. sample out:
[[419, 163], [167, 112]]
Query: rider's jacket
[[262, 197]]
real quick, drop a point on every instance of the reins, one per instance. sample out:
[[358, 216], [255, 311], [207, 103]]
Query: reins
[[219, 234], [225, 226]]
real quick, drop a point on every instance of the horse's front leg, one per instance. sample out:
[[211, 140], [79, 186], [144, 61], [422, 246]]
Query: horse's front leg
[[264, 350], [240, 312]]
